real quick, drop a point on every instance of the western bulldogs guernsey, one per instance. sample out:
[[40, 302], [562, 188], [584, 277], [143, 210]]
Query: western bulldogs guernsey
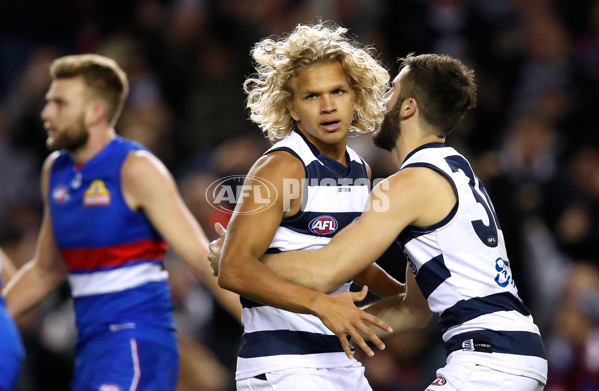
[[334, 196], [113, 254], [461, 267], [11, 348]]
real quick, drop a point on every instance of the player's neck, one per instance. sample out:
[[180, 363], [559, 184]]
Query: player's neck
[[334, 150], [98, 138], [409, 141]]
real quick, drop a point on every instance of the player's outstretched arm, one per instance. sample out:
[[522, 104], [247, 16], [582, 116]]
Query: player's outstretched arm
[[414, 196], [149, 186]]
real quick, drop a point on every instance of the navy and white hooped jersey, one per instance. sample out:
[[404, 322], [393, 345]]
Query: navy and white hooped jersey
[[461, 267], [334, 196]]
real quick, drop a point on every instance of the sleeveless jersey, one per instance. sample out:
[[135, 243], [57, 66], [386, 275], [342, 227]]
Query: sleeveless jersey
[[334, 196], [11, 347], [461, 267], [114, 256]]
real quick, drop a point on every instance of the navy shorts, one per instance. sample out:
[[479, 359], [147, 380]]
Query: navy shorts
[[128, 360]]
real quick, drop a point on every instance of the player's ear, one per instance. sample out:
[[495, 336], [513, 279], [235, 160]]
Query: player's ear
[[292, 110], [408, 107], [96, 112]]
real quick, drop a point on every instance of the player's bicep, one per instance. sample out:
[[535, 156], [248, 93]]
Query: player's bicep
[[148, 186], [261, 206]]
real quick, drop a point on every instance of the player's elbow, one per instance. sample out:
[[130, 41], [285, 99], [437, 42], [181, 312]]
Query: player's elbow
[[328, 280], [226, 279], [324, 285], [230, 276], [421, 317]]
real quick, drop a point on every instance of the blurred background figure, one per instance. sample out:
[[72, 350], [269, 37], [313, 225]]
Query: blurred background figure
[[536, 142]]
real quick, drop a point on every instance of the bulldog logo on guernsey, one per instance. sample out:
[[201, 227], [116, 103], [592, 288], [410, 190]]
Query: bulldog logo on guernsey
[[323, 225], [96, 194]]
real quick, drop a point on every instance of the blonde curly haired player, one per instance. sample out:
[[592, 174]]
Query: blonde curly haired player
[[311, 88], [279, 62]]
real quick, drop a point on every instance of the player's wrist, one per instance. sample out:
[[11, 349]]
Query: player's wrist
[[315, 302]]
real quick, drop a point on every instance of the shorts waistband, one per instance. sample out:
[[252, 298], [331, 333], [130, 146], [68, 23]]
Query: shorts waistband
[[489, 341]]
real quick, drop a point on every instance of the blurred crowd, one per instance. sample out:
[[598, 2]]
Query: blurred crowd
[[533, 140]]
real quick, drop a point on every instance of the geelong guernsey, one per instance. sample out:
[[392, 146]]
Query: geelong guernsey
[[461, 267], [334, 196], [113, 255]]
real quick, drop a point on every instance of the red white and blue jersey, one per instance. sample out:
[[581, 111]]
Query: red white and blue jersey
[[334, 195], [462, 268], [114, 255], [11, 348]]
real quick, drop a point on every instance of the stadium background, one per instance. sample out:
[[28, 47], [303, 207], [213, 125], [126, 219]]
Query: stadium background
[[533, 140]]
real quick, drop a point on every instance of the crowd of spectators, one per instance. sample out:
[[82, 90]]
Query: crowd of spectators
[[533, 140]]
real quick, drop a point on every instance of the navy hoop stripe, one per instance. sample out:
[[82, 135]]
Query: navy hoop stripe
[[279, 342], [465, 310], [522, 343], [431, 275]]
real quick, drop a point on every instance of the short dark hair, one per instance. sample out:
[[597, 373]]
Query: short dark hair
[[443, 87], [101, 75]]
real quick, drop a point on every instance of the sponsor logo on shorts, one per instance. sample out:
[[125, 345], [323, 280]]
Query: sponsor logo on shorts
[[323, 225], [109, 387], [439, 381], [96, 194]]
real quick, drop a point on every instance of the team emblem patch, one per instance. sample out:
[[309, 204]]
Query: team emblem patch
[[439, 381], [323, 225], [60, 194], [96, 194], [110, 387], [468, 345]]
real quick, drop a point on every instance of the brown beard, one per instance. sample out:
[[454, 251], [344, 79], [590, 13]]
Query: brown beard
[[390, 129], [70, 138]]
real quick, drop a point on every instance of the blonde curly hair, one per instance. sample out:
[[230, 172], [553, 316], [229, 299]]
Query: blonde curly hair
[[279, 61]]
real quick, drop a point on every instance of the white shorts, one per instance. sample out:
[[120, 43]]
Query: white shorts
[[467, 376], [301, 379]]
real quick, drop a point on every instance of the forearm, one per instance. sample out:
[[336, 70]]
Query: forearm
[[253, 280], [28, 287], [379, 281], [399, 316], [331, 266], [290, 265], [203, 273], [228, 299], [7, 267]]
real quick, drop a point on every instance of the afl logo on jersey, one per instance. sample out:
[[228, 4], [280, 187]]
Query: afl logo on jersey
[[323, 225], [60, 194]]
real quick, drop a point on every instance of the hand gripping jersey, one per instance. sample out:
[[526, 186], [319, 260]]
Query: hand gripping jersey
[[113, 254], [334, 196], [461, 267]]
